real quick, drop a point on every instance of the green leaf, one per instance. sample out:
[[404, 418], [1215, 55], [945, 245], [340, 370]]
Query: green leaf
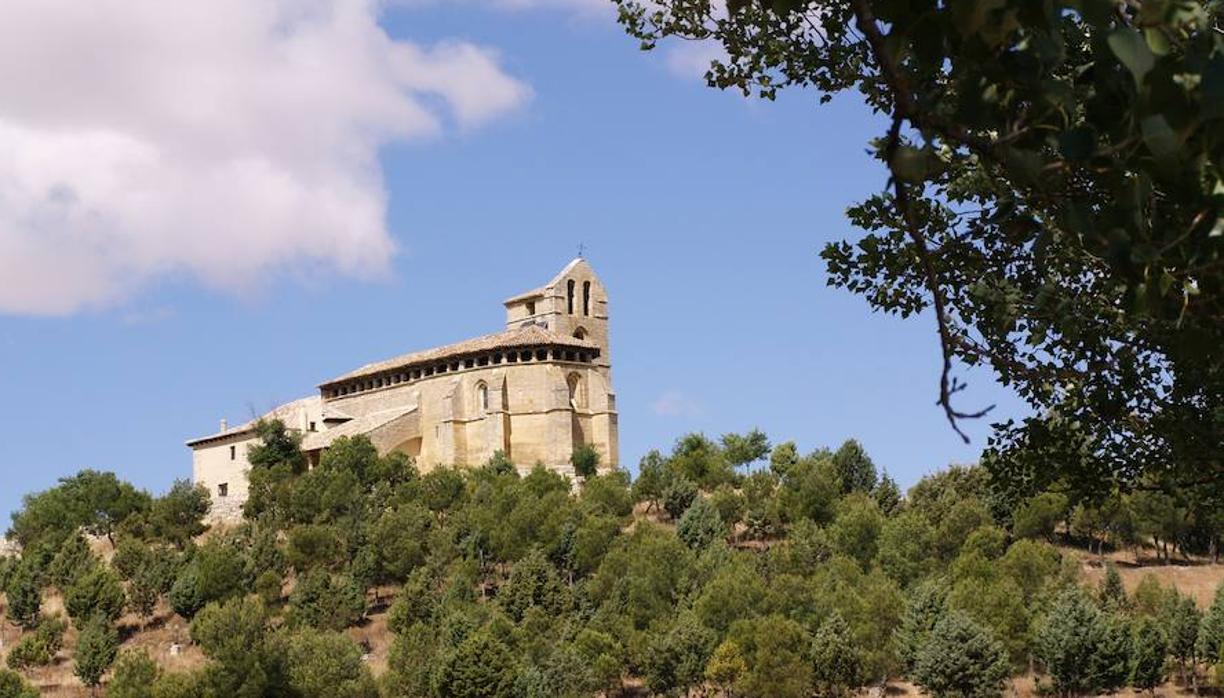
[[1156, 41], [1159, 137], [1133, 52]]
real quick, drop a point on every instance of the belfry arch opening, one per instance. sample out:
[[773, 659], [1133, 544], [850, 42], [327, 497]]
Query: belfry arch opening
[[586, 297], [569, 296]]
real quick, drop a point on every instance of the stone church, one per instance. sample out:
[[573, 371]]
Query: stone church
[[534, 391]]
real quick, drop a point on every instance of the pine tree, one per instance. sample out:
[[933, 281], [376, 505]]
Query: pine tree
[[1110, 663], [96, 648], [837, 665], [961, 660], [1181, 625], [926, 606], [24, 596], [1148, 651], [1068, 641], [1211, 631], [1112, 593]]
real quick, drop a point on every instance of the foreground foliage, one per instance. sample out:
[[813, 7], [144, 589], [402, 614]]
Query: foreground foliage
[[808, 574]]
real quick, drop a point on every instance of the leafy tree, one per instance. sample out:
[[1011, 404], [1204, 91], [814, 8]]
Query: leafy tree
[[774, 650], [96, 648], [233, 634], [741, 450], [608, 494], [325, 601], [94, 501], [278, 445], [960, 658], [135, 675], [481, 666], [143, 593], [837, 666], [1150, 597], [178, 516], [855, 468], [13, 686], [326, 665], [98, 593], [644, 574], [652, 479], [783, 457], [701, 461], [810, 489], [398, 538], [585, 460], [1148, 651], [1067, 246], [678, 656], [855, 532], [701, 525], [888, 495], [533, 583], [24, 596], [40, 647], [678, 496], [1038, 517], [442, 489], [906, 547], [312, 546], [1032, 565], [73, 559], [726, 666]]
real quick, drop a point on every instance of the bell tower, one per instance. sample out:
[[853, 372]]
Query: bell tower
[[574, 304]]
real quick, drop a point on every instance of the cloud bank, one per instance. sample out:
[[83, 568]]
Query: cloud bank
[[226, 142]]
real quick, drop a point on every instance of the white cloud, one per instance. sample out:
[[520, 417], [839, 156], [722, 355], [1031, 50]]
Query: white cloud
[[691, 59], [674, 403], [224, 141]]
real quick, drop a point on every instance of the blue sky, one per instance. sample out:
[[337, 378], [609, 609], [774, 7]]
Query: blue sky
[[704, 213]]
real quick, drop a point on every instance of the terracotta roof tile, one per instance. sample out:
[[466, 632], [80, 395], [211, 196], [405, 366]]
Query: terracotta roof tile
[[527, 336]]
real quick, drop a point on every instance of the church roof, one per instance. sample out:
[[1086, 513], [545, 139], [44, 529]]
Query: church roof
[[526, 295], [316, 440], [519, 337], [284, 411]]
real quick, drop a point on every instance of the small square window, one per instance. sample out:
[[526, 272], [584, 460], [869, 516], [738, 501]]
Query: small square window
[[223, 489], [312, 426]]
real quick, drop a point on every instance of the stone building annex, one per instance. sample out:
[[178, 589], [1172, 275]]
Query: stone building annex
[[533, 391]]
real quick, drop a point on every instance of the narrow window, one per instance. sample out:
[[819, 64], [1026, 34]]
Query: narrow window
[[233, 453], [223, 489], [482, 397], [312, 426], [586, 297], [570, 295], [530, 308]]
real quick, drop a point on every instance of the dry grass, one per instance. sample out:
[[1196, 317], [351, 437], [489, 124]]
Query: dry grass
[[1195, 577]]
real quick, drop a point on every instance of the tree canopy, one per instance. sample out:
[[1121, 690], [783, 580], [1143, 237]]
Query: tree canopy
[[1054, 202]]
